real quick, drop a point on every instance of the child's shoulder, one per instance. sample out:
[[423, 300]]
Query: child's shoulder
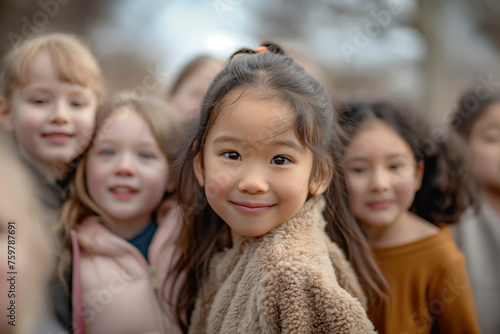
[[430, 245], [443, 246], [438, 250], [299, 261], [421, 229]]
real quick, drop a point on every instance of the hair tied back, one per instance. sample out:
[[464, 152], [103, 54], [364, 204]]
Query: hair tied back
[[261, 48], [264, 47]]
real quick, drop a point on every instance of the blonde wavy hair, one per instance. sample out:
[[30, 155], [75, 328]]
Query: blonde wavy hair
[[72, 59], [166, 126]]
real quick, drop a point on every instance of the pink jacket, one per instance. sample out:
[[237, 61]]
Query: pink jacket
[[115, 290]]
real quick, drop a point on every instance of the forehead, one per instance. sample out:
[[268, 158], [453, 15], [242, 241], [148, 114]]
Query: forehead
[[124, 123], [377, 137], [41, 69], [57, 65], [255, 116], [490, 119]]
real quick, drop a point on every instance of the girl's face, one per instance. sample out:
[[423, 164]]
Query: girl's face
[[52, 120], [484, 142], [255, 171], [126, 170], [188, 97], [382, 175]]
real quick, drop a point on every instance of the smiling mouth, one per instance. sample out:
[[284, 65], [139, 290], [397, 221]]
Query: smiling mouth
[[252, 208], [57, 134], [123, 192], [57, 137], [379, 204]]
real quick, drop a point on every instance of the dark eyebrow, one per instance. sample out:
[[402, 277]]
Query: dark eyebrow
[[356, 159], [396, 155], [389, 156], [227, 139], [37, 89], [287, 143]]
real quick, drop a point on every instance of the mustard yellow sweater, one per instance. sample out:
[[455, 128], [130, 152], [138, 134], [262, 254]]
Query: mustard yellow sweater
[[429, 287]]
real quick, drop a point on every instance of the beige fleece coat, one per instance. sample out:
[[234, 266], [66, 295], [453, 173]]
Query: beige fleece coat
[[290, 280]]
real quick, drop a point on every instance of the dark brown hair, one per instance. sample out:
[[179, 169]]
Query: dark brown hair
[[447, 186], [471, 106], [279, 78]]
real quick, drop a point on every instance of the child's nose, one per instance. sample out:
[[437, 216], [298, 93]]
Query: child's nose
[[125, 165], [60, 113], [253, 181], [381, 180]]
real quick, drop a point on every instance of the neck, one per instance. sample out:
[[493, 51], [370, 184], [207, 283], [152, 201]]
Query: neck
[[128, 229], [492, 197], [407, 228], [49, 173], [52, 173], [235, 236]]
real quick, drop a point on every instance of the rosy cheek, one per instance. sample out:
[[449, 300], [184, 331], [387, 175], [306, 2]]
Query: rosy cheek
[[29, 122], [406, 191], [484, 160], [354, 189], [352, 198], [85, 129], [216, 184], [292, 191], [350, 192], [95, 174], [85, 122]]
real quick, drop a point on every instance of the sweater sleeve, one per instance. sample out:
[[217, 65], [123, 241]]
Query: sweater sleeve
[[298, 300], [345, 274], [450, 299]]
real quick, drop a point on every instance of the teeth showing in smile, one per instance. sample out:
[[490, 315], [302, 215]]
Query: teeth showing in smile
[[122, 190]]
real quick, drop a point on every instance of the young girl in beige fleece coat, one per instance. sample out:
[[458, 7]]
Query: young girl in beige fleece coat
[[267, 228]]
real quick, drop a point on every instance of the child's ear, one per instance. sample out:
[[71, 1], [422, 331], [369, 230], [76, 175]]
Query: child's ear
[[198, 169], [420, 174], [320, 183], [5, 115]]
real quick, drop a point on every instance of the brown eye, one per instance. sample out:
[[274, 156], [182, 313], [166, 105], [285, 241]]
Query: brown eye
[[78, 103], [358, 170], [280, 160], [231, 155], [39, 101]]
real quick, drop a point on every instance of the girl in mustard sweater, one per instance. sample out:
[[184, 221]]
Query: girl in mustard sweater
[[403, 186]]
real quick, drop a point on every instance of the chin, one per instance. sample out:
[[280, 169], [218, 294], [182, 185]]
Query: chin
[[249, 233], [379, 224], [59, 158]]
